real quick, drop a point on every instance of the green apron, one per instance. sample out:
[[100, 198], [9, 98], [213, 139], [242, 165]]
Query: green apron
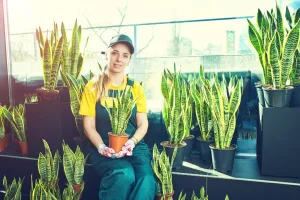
[[130, 177]]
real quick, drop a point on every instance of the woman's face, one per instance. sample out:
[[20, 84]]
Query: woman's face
[[118, 57]]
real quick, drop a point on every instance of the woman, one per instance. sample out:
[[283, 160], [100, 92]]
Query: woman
[[128, 174]]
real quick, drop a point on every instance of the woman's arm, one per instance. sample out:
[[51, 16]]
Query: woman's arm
[[89, 125], [142, 126]]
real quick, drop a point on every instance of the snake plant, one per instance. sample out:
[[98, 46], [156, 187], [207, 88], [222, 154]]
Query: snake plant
[[120, 110], [73, 164], [48, 168], [40, 191], [31, 97], [13, 191], [202, 196], [16, 118], [177, 112], [162, 167], [275, 46], [202, 108], [70, 194], [76, 88], [292, 20], [72, 58], [223, 100], [51, 53], [2, 123]]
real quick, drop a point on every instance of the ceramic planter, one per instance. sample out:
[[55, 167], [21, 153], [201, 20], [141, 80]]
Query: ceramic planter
[[116, 142], [180, 153]]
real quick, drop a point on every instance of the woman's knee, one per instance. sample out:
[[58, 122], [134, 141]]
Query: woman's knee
[[148, 180], [124, 175]]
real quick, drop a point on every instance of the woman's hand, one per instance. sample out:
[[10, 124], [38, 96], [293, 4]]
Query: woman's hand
[[128, 147], [109, 152]]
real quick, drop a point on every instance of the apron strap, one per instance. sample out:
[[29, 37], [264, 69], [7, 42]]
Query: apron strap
[[130, 82]]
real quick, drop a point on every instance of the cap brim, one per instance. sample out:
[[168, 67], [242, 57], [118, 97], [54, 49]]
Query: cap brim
[[131, 48]]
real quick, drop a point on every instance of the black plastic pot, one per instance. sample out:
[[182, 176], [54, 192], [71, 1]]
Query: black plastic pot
[[222, 159], [204, 150], [295, 99], [64, 95], [260, 94], [278, 98], [179, 156], [189, 147]]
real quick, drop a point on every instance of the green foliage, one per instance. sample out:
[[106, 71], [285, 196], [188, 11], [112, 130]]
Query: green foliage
[[76, 88], [202, 108], [73, 164], [48, 168], [31, 98], [162, 167], [201, 197], [121, 110], [292, 20], [2, 123], [12, 191], [16, 117], [223, 100], [39, 192], [177, 109], [72, 58], [51, 53], [70, 194], [275, 45]]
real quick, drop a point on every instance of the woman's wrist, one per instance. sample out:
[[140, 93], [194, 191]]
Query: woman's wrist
[[134, 140]]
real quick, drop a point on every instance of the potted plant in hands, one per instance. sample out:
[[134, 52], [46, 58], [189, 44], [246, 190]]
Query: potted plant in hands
[[119, 113], [16, 118], [292, 20], [276, 49], [162, 167], [172, 115], [73, 164], [51, 54], [224, 100], [203, 115]]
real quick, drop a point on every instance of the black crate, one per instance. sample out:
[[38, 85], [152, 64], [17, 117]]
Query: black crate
[[52, 122], [278, 136]]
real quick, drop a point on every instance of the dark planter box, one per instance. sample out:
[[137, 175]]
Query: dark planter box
[[278, 150], [52, 122]]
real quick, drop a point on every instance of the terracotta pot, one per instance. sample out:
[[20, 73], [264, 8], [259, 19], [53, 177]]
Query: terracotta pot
[[47, 96], [7, 139], [23, 147], [2, 144], [116, 142], [16, 144], [77, 188], [166, 197]]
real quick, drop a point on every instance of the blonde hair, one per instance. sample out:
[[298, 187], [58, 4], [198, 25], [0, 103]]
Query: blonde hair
[[101, 84]]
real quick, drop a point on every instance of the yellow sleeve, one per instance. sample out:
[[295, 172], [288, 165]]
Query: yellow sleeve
[[88, 101], [138, 92]]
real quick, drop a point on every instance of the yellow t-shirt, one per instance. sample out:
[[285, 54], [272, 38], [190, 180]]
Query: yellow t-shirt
[[88, 100]]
